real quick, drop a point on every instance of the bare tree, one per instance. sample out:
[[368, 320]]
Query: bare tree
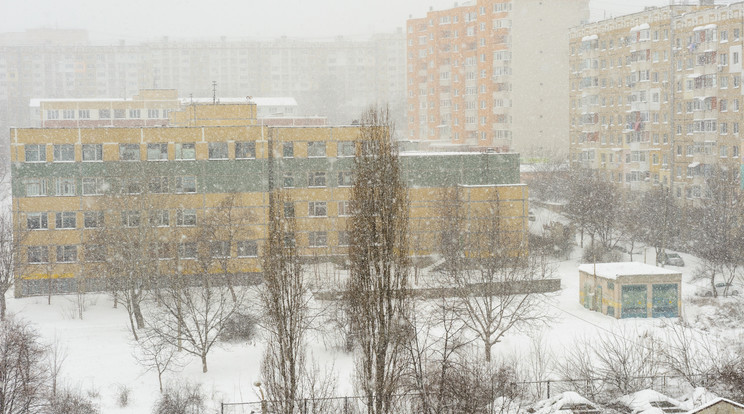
[[377, 289], [154, 354], [284, 297], [658, 218], [690, 354], [487, 268], [23, 372], [593, 207], [11, 261]]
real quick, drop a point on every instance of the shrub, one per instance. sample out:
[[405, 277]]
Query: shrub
[[240, 327], [181, 398]]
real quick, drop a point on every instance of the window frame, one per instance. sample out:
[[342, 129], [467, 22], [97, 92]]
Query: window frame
[[129, 152], [317, 209], [179, 152], [247, 248], [186, 217], [181, 188], [215, 150], [157, 151], [63, 152], [41, 251], [64, 220], [245, 150], [314, 237], [39, 150], [315, 178], [316, 149], [66, 253], [97, 152], [41, 219], [93, 219]]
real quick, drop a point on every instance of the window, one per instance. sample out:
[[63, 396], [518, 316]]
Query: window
[[104, 113], [187, 250], [186, 151], [64, 153], [186, 217], [65, 220], [119, 113], [160, 218], [129, 152], [131, 187], [53, 114], [38, 254], [247, 248], [68, 114], [157, 152], [288, 180], [318, 209], [288, 150], [92, 152], [93, 186], [158, 185], [289, 210], [36, 187], [95, 253], [317, 239], [35, 152], [36, 221], [344, 208], [92, 219], [316, 149], [245, 150], [345, 178], [66, 254], [134, 113], [343, 238], [84, 114], [130, 218], [346, 149], [153, 113], [186, 184], [220, 249], [218, 150], [65, 187], [316, 179]]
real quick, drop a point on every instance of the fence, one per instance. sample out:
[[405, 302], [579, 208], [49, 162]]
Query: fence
[[600, 390]]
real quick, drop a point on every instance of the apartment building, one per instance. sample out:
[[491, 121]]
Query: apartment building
[[655, 96], [66, 183], [490, 74]]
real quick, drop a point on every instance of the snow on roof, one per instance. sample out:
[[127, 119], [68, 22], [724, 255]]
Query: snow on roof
[[561, 403], [614, 270], [706, 27], [590, 37], [259, 101], [716, 401], [36, 102], [640, 27], [647, 402], [698, 397], [447, 153]]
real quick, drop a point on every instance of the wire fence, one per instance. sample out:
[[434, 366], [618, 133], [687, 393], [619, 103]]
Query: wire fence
[[594, 389]]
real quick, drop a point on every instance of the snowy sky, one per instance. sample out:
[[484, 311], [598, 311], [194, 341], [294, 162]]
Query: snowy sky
[[137, 20]]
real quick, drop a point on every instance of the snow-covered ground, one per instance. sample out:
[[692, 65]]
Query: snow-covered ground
[[99, 347]]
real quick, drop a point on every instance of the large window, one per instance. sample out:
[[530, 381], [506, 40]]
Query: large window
[[120, 113], [65, 186], [345, 178], [186, 217], [92, 152], [220, 249], [130, 218], [36, 187], [187, 250], [245, 150], [317, 239], [66, 254], [186, 184], [343, 238], [343, 208], [288, 150], [318, 209], [289, 210], [316, 149], [160, 218], [158, 185], [35, 152], [218, 150], [36, 221], [346, 149], [65, 220], [93, 185], [129, 152], [64, 153], [186, 151], [92, 219], [38, 254], [153, 113], [247, 248], [157, 152], [288, 180], [104, 113], [316, 179]]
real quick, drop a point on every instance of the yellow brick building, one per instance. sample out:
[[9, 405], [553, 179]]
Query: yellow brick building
[[69, 182]]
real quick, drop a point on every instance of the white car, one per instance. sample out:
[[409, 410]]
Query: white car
[[722, 289], [672, 259]]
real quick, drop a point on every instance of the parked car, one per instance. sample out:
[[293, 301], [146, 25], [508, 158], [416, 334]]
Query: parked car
[[531, 216], [672, 259], [722, 288]]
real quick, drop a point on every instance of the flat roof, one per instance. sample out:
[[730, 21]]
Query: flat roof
[[614, 270]]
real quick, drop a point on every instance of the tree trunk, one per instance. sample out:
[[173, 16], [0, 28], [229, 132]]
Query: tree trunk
[[131, 324], [204, 362], [487, 348], [3, 307], [137, 311]]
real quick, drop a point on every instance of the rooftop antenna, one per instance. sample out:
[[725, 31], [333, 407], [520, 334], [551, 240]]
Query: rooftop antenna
[[214, 92]]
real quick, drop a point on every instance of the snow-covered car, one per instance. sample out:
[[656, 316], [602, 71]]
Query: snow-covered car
[[672, 259], [722, 289]]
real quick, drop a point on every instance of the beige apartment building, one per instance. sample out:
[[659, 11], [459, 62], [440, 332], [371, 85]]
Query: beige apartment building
[[656, 96], [490, 74]]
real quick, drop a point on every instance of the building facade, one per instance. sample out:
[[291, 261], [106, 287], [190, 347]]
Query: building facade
[[69, 183], [490, 74], [655, 96]]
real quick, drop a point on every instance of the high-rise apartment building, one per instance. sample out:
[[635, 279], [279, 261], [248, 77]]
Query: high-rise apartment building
[[491, 74], [656, 96]]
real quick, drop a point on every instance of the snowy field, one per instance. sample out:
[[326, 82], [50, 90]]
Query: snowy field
[[99, 360]]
